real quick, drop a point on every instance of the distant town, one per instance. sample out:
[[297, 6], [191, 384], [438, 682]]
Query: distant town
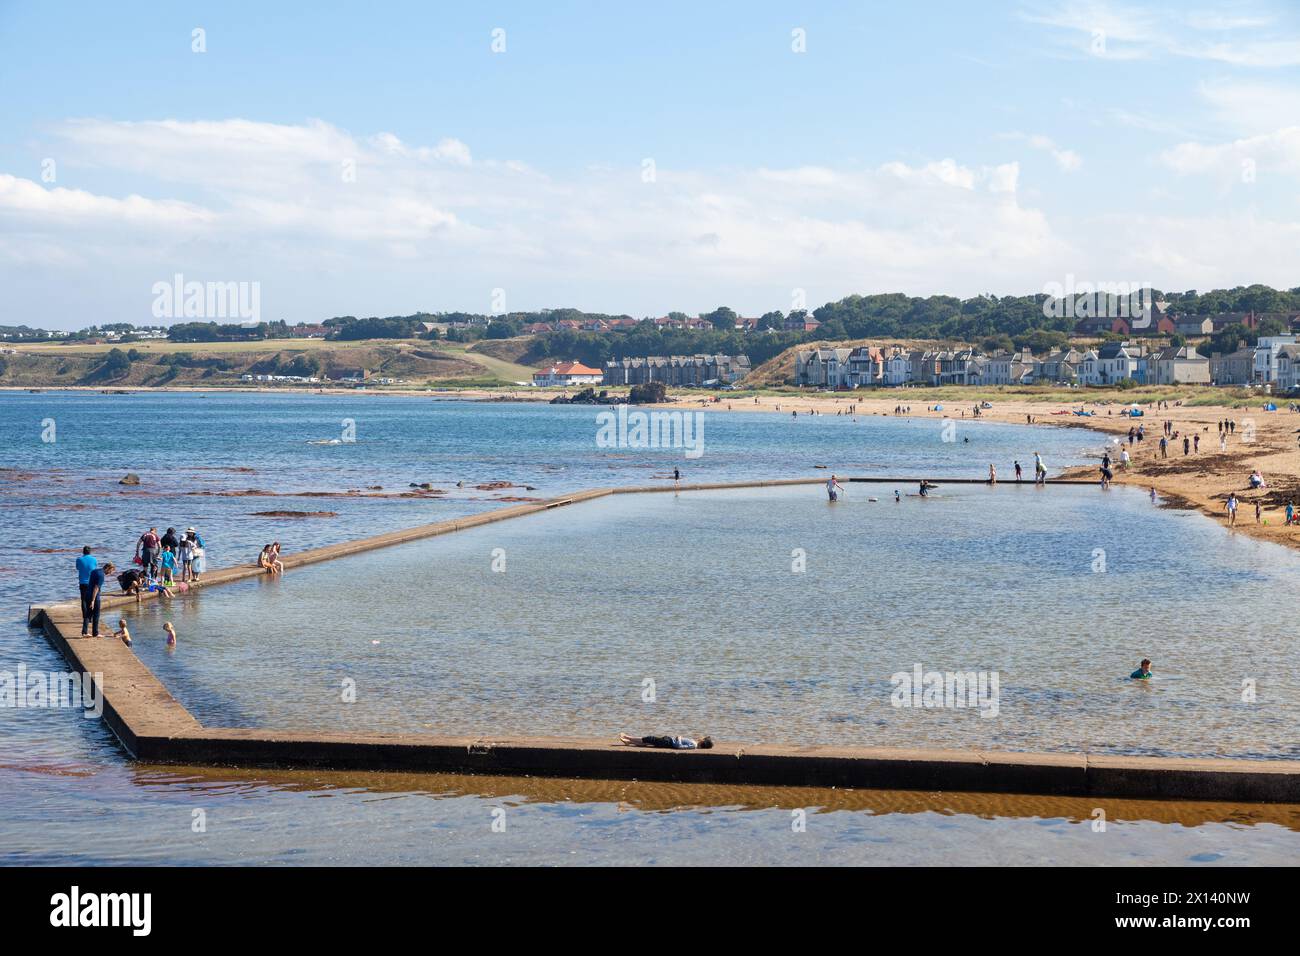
[[888, 340]]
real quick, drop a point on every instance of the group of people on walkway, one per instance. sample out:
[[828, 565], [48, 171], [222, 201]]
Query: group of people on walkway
[[162, 562], [1040, 471], [165, 560]]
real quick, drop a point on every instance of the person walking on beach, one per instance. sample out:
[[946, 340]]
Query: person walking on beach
[[1196, 443], [1186, 444], [1258, 511], [1232, 508], [86, 566], [1143, 672], [1223, 442], [833, 488], [1164, 447], [146, 549], [1290, 511]]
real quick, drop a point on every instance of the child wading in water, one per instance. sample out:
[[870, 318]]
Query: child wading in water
[[122, 634], [168, 566], [171, 634]]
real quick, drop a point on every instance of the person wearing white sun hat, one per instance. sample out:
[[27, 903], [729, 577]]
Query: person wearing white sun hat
[[198, 557]]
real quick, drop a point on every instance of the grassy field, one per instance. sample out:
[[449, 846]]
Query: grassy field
[[409, 359], [163, 347], [503, 370]]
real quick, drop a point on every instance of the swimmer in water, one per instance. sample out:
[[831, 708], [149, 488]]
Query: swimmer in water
[[1143, 672]]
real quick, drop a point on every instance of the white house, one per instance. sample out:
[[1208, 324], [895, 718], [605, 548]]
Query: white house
[[1178, 366], [1287, 368], [1090, 369], [1266, 351], [568, 373], [898, 368]]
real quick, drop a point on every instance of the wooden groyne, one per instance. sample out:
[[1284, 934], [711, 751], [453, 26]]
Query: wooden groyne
[[153, 726]]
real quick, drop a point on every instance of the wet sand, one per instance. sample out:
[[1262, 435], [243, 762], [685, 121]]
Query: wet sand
[[654, 797]]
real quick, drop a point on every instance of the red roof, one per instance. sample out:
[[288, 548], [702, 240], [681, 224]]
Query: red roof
[[570, 368]]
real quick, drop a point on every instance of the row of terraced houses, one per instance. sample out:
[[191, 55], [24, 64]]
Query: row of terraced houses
[[1274, 361]]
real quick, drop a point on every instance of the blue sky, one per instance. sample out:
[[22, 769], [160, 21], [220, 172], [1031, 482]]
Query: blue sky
[[638, 158]]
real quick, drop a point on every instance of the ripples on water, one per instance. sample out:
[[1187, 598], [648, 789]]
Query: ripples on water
[[696, 593], [745, 644]]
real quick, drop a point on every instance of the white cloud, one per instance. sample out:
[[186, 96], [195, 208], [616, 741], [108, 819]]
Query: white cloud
[[1279, 151], [1119, 32], [1219, 22], [1258, 53], [22, 199], [1067, 160], [431, 227], [1252, 107], [1103, 30]]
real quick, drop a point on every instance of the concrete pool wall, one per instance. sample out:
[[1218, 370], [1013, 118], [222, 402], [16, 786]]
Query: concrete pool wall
[[153, 726]]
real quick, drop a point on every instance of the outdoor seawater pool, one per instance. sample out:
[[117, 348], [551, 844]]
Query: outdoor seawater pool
[[772, 615], [69, 795]]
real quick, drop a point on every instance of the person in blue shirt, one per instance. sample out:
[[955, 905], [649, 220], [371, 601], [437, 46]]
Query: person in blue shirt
[[90, 602], [86, 564], [1143, 672]]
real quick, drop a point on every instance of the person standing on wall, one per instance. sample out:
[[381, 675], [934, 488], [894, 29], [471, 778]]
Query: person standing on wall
[[86, 566]]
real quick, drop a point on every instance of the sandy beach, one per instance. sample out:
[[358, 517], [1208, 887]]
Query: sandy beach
[[1202, 479]]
